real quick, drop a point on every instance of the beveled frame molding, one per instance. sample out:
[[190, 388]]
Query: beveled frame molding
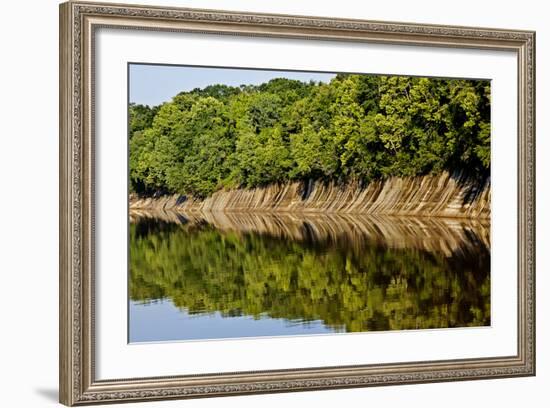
[[78, 21]]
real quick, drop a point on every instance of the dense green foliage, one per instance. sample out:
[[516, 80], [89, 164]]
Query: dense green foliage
[[350, 286], [357, 127]]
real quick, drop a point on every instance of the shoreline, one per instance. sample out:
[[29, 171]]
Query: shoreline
[[443, 196]]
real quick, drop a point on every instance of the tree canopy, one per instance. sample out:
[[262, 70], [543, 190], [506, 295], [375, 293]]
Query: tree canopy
[[355, 128]]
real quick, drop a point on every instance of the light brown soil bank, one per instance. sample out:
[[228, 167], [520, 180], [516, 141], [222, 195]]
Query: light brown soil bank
[[444, 195]]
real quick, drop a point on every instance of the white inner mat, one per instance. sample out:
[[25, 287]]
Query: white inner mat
[[115, 358]]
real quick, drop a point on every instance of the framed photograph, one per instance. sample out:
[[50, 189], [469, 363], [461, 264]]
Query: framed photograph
[[256, 203]]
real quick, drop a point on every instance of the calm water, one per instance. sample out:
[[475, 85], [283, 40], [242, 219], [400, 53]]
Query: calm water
[[221, 275]]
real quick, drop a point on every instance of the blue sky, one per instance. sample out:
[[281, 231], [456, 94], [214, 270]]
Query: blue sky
[[155, 84]]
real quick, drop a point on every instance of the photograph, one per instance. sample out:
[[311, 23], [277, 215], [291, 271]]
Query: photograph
[[270, 200], [288, 203]]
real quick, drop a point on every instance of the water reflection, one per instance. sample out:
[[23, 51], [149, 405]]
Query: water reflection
[[220, 275]]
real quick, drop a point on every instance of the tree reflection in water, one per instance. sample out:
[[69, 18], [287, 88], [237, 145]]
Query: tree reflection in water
[[352, 273]]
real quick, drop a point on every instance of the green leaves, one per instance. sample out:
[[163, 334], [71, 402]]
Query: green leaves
[[141, 117], [357, 127], [351, 286]]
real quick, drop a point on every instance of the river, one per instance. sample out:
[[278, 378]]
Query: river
[[214, 275]]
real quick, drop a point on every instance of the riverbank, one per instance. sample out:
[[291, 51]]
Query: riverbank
[[443, 195]]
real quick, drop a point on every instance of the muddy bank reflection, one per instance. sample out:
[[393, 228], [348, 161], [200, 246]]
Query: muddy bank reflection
[[446, 235]]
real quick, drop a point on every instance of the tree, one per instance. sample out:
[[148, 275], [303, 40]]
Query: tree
[[141, 117], [355, 128], [205, 140]]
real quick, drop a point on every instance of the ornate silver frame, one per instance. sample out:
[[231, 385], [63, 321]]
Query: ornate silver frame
[[78, 22]]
